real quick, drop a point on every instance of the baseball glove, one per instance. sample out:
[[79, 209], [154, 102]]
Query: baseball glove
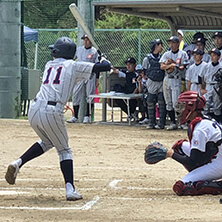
[[168, 62], [154, 153]]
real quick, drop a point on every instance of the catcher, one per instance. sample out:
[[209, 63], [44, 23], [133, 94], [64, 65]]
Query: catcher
[[201, 155]]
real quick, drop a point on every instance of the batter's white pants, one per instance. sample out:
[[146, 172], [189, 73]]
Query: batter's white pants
[[49, 124]]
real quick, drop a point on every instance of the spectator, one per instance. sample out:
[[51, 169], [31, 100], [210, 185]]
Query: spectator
[[85, 53], [180, 35], [141, 88], [215, 95], [172, 79], [130, 86], [154, 84], [195, 71], [218, 42]]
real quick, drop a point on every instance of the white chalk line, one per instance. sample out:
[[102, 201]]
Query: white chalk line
[[53, 167], [86, 206], [113, 184]]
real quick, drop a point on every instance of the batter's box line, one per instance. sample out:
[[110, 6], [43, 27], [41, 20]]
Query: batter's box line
[[86, 206], [113, 184]]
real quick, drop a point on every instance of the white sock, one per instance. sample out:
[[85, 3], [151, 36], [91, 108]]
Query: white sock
[[19, 161], [69, 187]]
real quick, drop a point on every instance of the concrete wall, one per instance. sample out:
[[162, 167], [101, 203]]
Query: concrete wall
[[10, 58]]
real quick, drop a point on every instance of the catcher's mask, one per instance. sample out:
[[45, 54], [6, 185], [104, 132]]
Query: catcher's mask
[[187, 103], [64, 47]]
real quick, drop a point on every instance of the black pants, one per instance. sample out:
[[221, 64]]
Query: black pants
[[123, 106]]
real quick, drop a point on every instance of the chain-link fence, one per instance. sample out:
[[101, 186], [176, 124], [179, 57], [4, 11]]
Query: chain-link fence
[[116, 44]]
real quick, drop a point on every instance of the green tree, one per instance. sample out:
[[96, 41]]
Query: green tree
[[48, 14], [111, 20]]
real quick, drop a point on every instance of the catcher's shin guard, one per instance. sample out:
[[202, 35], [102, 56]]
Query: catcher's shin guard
[[197, 188], [162, 109], [151, 109]]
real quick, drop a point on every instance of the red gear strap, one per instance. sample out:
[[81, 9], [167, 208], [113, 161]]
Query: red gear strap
[[191, 127]]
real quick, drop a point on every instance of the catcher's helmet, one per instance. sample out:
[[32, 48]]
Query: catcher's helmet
[[64, 47], [187, 103], [155, 42]]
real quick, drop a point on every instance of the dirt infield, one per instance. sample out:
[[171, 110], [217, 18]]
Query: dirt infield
[[110, 173]]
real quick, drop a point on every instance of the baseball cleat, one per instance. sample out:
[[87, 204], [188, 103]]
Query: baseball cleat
[[73, 195], [86, 119], [172, 126], [12, 172], [144, 121], [72, 120]]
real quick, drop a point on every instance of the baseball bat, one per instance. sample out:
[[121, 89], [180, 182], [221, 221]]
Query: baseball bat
[[75, 12]]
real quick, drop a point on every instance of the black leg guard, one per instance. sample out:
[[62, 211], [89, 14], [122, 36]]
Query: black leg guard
[[162, 110], [152, 109]]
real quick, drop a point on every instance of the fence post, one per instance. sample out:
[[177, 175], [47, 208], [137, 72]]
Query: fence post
[[139, 46]]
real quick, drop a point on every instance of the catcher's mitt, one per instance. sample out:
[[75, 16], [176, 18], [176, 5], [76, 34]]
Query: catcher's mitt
[[168, 62], [154, 153]]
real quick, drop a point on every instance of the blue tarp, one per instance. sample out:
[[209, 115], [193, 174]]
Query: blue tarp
[[30, 34]]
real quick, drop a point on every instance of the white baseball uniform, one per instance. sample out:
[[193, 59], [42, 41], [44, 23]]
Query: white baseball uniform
[[46, 112], [208, 76], [85, 55], [172, 81], [192, 74], [204, 131]]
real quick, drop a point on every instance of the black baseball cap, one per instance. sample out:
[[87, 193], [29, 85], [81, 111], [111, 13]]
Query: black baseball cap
[[84, 36], [215, 51], [173, 39], [219, 34], [201, 40], [131, 60], [198, 35], [198, 51]]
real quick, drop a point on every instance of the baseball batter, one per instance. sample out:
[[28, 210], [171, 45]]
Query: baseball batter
[[172, 80], [46, 112], [85, 53]]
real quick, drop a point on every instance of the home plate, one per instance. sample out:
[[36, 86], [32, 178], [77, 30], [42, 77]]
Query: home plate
[[10, 192]]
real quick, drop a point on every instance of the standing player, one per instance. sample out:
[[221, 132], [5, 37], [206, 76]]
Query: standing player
[[173, 74], [195, 71], [154, 85], [218, 42], [215, 96], [46, 112], [85, 53]]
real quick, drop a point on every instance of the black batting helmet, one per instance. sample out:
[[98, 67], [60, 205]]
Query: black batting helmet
[[64, 47]]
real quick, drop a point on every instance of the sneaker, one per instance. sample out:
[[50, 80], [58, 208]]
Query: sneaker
[[73, 120], [73, 195], [150, 127], [144, 121], [12, 172], [86, 119], [172, 126], [159, 127], [183, 126]]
